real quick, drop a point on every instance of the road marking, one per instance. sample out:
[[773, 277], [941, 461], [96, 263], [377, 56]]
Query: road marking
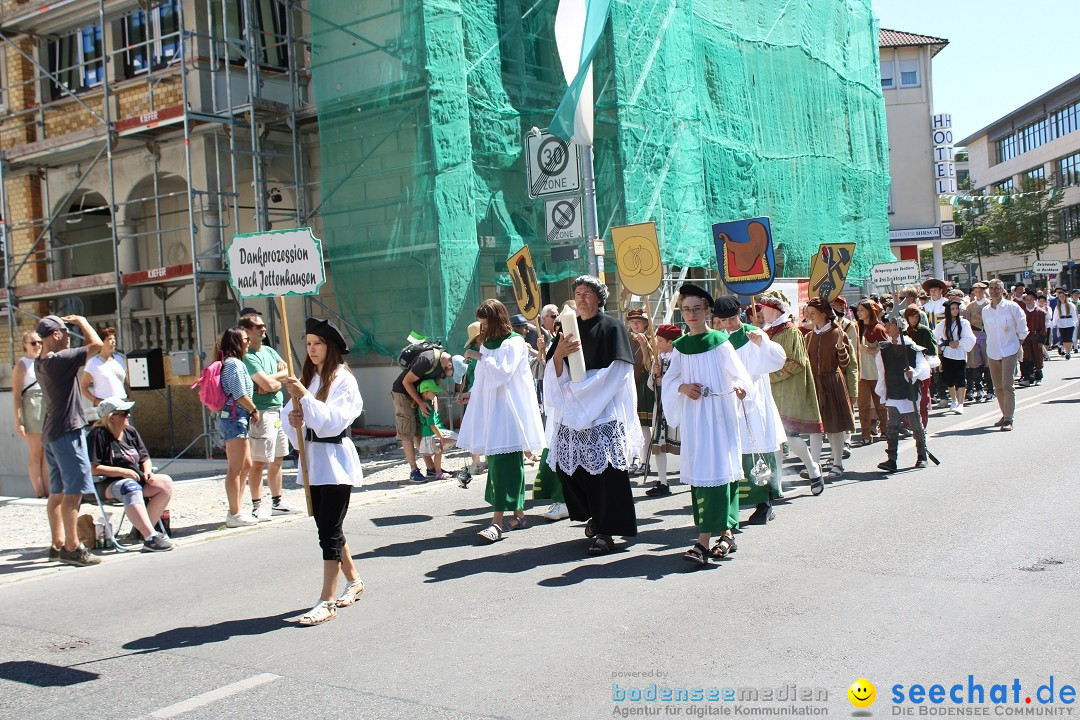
[[213, 696]]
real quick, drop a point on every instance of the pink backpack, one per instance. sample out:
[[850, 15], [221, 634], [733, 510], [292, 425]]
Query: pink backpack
[[210, 393]]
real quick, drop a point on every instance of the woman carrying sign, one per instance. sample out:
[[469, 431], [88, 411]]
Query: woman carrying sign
[[326, 399]]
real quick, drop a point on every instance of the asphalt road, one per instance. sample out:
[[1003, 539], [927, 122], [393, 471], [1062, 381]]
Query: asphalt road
[[970, 568]]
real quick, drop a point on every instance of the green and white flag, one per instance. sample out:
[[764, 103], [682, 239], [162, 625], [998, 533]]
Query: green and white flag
[[579, 26], [415, 337]]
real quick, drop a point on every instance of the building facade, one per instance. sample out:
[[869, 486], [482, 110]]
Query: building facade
[[915, 213], [1038, 140]]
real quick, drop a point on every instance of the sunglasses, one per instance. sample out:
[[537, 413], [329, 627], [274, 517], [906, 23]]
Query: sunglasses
[[34, 342], [260, 327], [122, 413]]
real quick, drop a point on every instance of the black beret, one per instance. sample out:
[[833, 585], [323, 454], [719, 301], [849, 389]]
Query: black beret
[[692, 290], [328, 332], [726, 306]]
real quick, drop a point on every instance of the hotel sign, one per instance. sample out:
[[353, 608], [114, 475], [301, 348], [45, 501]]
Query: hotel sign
[[944, 168]]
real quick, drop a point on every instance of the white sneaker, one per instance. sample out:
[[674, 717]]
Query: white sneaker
[[557, 511], [242, 520], [952, 404], [284, 508], [263, 515], [959, 409]]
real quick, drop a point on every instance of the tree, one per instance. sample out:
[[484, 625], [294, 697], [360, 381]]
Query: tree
[[978, 241], [1029, 222]]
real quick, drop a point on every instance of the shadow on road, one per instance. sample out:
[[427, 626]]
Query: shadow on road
[[196, 635], [399, 520], [30, 672]]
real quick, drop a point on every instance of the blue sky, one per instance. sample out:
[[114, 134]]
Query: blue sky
[[1001, 53]]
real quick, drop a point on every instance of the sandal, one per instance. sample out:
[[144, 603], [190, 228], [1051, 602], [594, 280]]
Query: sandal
[[590, 529], [325, 611], [492, 533], [697, 554], [602, 545], [515, 523], [817, 487], [723, 547], [352, 591], [835, 473]]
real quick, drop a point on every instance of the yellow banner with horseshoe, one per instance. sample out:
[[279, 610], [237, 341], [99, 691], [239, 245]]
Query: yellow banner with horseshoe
[[526, 287], [637, 254]]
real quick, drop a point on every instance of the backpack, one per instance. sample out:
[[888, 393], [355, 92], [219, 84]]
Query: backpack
[[210, 393], [409, 353]]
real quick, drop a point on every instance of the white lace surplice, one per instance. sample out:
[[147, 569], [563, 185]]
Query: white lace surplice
[[592, 424], [709, 426], [763, 418], [503, 414]]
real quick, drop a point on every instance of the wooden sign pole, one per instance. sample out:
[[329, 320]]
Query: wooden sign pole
[[299, 430]]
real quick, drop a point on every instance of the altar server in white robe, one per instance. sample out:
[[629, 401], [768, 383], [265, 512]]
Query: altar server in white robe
[[761, 427], [701, 391]]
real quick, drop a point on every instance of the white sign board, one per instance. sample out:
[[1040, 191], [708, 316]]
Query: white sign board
[[563, 217], [553, 166], [905, 272], [1046, 267], [275, 263], [948, 230], [915, 234], [138, 369]]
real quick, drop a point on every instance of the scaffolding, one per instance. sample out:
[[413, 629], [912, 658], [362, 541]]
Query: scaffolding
[[219, 86]]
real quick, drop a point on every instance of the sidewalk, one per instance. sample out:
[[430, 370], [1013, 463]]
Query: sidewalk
[[198, 506]]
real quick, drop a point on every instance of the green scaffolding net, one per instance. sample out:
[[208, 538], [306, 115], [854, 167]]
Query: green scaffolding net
[[706, 112]]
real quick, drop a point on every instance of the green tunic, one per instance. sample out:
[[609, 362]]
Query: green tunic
[[793, 386], [716, 509], [547, 485]]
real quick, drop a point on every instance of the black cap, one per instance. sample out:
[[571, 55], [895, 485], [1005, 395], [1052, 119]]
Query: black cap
[[328, 332], [726, 307], [692, 290], [518, 320], [249, 311]]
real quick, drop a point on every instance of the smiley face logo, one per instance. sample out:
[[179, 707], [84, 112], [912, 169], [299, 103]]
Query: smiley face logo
[[862, 693]]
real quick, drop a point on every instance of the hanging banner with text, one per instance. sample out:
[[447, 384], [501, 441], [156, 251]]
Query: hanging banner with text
[[276, 263]]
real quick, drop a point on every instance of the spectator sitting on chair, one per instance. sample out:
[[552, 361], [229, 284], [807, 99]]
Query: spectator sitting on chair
[[118, 453]]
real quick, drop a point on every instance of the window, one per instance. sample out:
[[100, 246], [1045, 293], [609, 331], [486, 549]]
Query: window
[[1066, 120], [909, 73], [887, 81], [76, 61], [1026, 139], [1070, 218], [1038, 173], [270, 20], [153, 40], [1004, 187], [1069, 170]]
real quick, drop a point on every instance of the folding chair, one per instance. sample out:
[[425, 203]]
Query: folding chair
[[110, 534]]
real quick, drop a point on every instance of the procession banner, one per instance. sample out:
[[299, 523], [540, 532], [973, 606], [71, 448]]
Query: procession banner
[[745, 255], [637, 255], [276, 263], [523, 279], [904, 272], [829, 269]]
